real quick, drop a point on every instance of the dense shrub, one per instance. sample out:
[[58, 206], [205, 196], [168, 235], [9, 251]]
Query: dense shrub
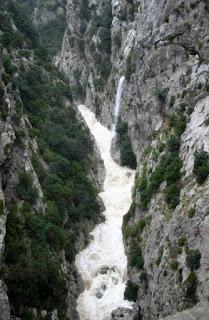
[[192, 283], [122, 128], [25, 188], [135, 229], [172, 101], [127, 156], [102, 27], [173, 168], [128, 215], [168, 168], [172, 195], [1, 207], [136, 259], [191, 212], [129, 68], [193, 259], [174, 144], [35, 277], [97, 104], [131, 291], [182, 241], [9, 67], [178, 122], [36, 241], [85, 10], [23, 23], [174, 265], [201, 166], [105, 40]]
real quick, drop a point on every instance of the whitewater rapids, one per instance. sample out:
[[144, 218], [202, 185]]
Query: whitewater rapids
[[103, 264]]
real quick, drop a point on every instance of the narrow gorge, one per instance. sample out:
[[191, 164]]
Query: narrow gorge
[[104, 178], [103, 264]]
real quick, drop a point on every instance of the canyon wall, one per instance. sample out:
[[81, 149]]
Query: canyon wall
[[50, 170], [162, 49]]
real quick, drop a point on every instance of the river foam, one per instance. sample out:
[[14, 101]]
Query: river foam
[[103, 264]]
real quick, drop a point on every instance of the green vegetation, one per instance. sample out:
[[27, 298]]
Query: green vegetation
[[1, 207], [161, 93], [25, 188], [182, 241], [192, 283], [35, 277], [101, 26], [69, 144], [52, 34], [128, 215], [158, 261], [201, 166], [129, 67], [191, 212], [97, 104], [127, 156], [193, 259], [131, 291], [168, 169], [104, 22], [172, 195], [136, 259], [85, 10], [174, 265], [135, 229], [178, 122], [25, 30], [132, 8], [37, 237]]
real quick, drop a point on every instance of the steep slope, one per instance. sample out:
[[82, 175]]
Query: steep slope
[[50, 171], [161, 48]]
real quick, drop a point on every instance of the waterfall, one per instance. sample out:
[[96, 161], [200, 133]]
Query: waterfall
[[103, 264], [117, 104]]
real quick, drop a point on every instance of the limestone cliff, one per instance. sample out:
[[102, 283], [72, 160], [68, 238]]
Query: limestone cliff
[[162, 49], [49, 171]]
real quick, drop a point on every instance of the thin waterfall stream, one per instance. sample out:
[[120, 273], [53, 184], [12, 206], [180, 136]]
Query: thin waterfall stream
[[103, 264]]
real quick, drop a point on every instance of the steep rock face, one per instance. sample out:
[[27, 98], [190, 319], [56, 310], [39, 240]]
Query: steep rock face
[[168, 80], [42, 225], [161, 47], [86, 54]]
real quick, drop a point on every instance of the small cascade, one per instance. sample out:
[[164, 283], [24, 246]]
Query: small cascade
[[103, 264], [117, 104]]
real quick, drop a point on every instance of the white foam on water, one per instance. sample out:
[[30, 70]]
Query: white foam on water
[[103, 264]]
